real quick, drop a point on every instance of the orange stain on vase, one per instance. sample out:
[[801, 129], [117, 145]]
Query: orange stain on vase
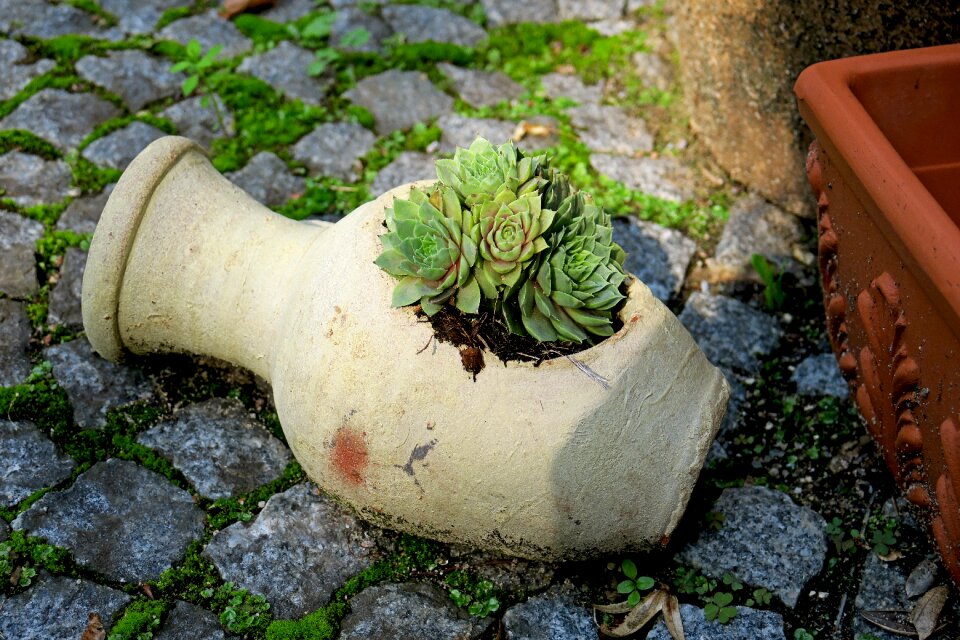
[[349, 455]]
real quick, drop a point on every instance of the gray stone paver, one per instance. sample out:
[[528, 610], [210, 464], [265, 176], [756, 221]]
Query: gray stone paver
[[139, 16], [410, 611], [188, 622], [459, 131], [18, 241], [268, 180], [30, 462], [549, 616], [501, 12], [57, 607], [609, 129], [82, 214], [289, 10], [14, 335], [219, 448], [409, 166], [381, 93], [731, 333], [285, 67], [658, 256], [19, 73], [565, 85], [61, 118], [119, 148], [334, 149], [4, 534], [481, 88], [46, 20], [65, 297], [765, 540], [350, 20], [93, 384], [300, 548], [419, 24], [135, 76], [819, 375], [748, 624], [590, 9], [30, 180], [663, 177], [118, 519], [756, 226], [209, 30], [198, 122]]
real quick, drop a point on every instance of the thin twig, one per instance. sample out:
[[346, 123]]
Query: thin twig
[[843, 604], [590, 373], [425, 346]]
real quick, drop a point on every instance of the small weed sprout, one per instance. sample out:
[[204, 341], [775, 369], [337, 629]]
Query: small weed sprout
[[803, 634], [197, 65], [719, 608], [481, 603], [772, 277], [634, 584]]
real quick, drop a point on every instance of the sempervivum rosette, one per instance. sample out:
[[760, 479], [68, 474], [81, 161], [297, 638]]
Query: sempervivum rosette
[[431, 247], [575, 285]]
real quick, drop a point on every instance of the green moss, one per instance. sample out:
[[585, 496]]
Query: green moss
[[413, 555], [20, 553], [39, 399], [172, 15], [55, 243], [196, 580], [45, 213], [93, 7], [190, 578], [27, 142], [263, 32], [90, 178], [226, 511], [139, 620]]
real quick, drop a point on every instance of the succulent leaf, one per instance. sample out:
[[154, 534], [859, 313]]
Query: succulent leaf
[[427, 250], [477, 173], [577, 280]]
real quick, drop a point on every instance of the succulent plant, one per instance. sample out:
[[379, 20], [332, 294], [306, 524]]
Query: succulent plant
[[511, 229], [576, 282], [431, 246], [480, 171]]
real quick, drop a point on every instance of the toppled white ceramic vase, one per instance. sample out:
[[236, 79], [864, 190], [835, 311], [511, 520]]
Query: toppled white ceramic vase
[[580, 456]]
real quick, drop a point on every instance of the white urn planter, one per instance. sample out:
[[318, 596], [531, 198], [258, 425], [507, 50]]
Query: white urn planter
[[580, 456]]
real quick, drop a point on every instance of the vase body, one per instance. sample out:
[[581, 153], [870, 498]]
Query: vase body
[[581, 456], [885, 169]]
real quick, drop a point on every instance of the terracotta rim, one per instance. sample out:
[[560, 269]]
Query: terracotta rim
[[927, 236]]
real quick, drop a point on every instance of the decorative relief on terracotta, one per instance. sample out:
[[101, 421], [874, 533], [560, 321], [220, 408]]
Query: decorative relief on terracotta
[[946, 524], [886, 378]]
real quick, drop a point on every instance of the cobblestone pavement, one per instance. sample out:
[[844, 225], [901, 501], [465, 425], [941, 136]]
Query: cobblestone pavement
[[161, 494]]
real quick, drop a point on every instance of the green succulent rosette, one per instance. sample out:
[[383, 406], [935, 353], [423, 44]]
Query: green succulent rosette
[[510, 235], [479, 172], [431, 247], [575, 284]]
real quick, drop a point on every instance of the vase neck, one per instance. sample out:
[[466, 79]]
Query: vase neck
[[210, 270]]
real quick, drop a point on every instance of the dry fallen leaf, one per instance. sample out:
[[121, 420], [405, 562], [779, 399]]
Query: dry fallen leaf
[[926, 613], [94, 630], [893, 620], [530, 129], [660, 601], [235, 7]]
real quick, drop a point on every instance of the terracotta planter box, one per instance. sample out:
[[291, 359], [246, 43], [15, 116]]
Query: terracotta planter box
[[885, 170]]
